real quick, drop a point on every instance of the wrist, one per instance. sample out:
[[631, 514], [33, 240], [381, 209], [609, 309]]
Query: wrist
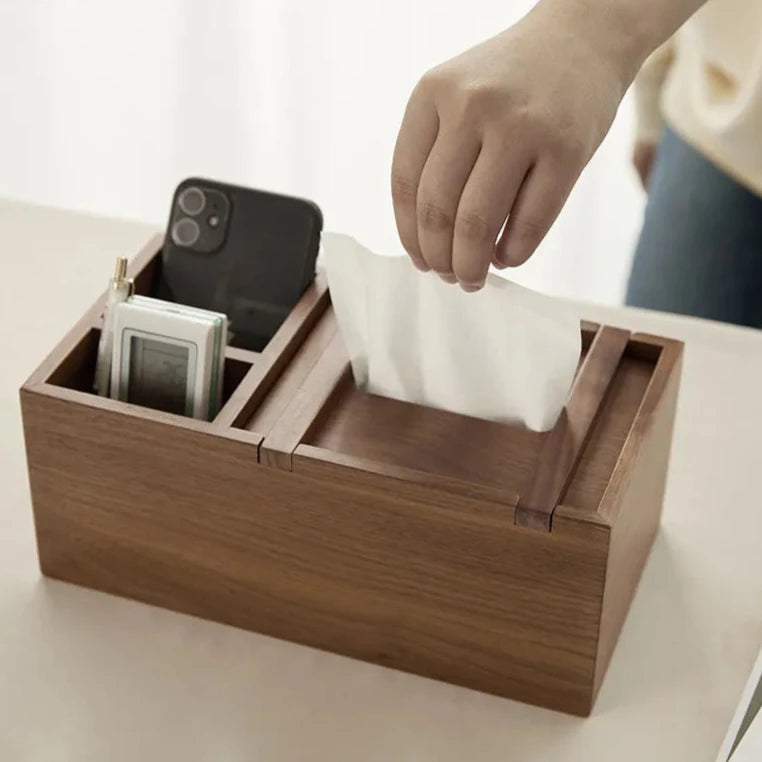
[[618, 34]]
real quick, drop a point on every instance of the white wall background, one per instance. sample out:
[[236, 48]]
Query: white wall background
[[107, 105]]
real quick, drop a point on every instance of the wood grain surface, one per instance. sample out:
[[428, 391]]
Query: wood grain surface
[[424, 439], [632, 502]]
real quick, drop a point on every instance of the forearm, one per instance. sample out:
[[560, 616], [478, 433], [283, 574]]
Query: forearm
[[626, 32]]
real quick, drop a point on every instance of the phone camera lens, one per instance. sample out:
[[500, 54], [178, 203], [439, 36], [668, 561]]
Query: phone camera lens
[[192, 201], [185, 232]]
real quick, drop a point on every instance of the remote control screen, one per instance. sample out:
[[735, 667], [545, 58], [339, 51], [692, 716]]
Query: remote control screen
[[158, 375]]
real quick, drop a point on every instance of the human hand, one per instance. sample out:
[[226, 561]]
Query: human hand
[[502, 131], [643, 155]]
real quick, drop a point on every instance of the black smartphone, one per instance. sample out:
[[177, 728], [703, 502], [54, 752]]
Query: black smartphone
[[244, 252]]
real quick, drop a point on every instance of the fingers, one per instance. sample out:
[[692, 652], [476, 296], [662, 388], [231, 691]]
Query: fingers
[[484, 205], [441, 185], [539, 200], [416, 137], [453, 188]]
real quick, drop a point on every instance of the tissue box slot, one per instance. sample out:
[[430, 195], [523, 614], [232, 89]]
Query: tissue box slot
[[350, 422], [328, 418]]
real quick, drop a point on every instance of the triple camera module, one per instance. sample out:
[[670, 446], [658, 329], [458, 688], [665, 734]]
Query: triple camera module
[[199, 218]]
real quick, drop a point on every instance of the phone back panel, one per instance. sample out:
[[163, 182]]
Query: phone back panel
[[263, 265]]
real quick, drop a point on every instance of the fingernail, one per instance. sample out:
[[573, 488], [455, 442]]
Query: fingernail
[[448, 277], [419, 264], [471, 287]]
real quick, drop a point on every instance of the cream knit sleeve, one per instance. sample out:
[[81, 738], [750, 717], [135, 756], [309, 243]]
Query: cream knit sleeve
[[648, 87]]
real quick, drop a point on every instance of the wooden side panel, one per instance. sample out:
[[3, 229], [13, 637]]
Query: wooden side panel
[[445, 493], [378, 574], [633, 502]]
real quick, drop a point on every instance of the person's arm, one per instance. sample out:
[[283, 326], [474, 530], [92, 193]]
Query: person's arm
[[649, 120], [504, 130]]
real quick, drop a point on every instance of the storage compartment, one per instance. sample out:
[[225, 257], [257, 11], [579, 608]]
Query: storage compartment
[[464, 550], [73, 365], [77, 369]]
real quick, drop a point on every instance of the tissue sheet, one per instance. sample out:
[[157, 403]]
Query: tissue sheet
[[504, 353]]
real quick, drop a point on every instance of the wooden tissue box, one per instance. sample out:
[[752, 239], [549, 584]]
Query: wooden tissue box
[[464, 550]]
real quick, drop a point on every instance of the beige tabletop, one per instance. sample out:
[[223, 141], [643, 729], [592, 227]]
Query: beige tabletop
[[86, 676]]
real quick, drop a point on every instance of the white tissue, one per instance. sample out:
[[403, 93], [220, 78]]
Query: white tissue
[[504, 353]]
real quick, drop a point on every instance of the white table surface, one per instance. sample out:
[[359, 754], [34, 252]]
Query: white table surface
[[86, 676]]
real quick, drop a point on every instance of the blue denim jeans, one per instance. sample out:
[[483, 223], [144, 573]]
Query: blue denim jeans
[[700, 249]]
